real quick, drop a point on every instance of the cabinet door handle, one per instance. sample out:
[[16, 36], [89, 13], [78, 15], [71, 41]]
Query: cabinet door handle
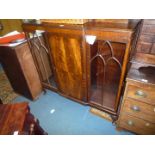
[[130, 123], [140, 93], [135, 108]]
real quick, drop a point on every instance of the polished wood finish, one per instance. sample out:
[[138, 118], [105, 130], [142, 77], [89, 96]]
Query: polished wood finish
[[67, 54], [17, 118], [20, 69], [138, 109], [137, 125], [148, 92], [29, 27], [144, 58], [71, 55], [111, 20], [12, 118], [65, 21], [113, 45], [9, 25], [105, 85]]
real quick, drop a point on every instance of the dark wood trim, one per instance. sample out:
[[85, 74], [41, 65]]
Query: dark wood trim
[[103, 109], [88, 70], [52, 60], [34, 58], [74, 99], [144, 58], [124, 68], [84, 69], [49, 87], [1, 101]]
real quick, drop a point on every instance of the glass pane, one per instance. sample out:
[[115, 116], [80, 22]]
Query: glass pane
[[42, 58], [106, 64]]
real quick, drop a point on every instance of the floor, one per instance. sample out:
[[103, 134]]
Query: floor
[[61, 116]]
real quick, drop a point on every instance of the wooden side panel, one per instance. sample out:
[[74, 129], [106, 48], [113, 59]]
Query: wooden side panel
[[66, 53], [29, 70], [20, 70], [14, 72]]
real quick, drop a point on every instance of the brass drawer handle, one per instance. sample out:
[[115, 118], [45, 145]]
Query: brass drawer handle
[[135, 108], [147, 124], [140, 93], [130, 123]]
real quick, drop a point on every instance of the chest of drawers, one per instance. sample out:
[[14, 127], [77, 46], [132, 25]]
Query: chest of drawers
[[137, 112]]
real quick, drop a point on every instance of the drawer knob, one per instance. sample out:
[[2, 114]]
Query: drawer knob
[[154, 109], [135, 108], [140, 93], [130, 122], [147, 124]]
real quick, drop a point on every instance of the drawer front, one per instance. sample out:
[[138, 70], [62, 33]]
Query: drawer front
[[140, 110], [147, 38], [144, 94], [136, 125], [149, 21], [144, 47], [148, 29], [153, 49]]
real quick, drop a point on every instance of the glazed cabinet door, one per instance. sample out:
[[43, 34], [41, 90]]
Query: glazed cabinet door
[[41, 55], [67, 52], [105, 59]]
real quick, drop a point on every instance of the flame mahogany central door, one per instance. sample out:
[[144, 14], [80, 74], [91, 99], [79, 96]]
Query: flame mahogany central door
[[67, 51]]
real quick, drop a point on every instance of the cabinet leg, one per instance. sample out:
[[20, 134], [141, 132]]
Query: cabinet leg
[[114, 118], [119, 129], [44, 90]]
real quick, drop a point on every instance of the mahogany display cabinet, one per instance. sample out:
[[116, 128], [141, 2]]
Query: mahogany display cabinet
[[91, 73]]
